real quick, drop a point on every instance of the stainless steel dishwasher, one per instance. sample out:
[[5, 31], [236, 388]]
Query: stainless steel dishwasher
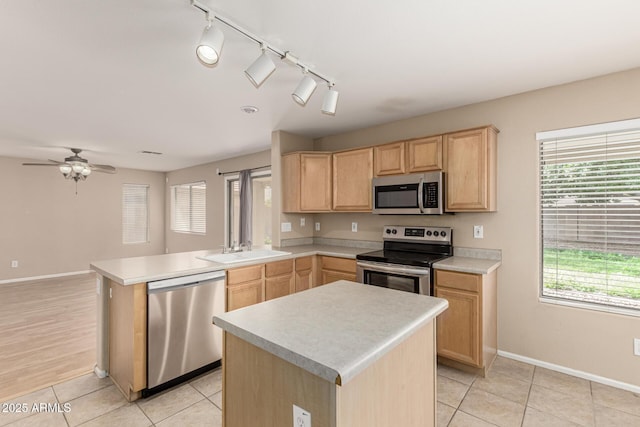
[[182, 341]]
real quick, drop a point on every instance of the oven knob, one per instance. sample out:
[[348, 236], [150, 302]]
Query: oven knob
[[435, 233], [443, 233], [394, 231], [388, 231], [428, 232]]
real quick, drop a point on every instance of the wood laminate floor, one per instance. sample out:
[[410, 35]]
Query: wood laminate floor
[[47, 332]]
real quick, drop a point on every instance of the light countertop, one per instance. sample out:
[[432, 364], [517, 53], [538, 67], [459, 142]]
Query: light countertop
[[128, 271], [333, 331], [468, 265]]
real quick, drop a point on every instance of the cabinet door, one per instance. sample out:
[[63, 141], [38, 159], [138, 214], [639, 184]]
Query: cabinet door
[[352, 174], [244, 294], [425, 154], [389, 159], [279, 286], [304, 280], [291, 182], [459, 327], [470, 166], [315, 182]]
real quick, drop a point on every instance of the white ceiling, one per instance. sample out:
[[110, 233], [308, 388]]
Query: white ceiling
[[119, 76]]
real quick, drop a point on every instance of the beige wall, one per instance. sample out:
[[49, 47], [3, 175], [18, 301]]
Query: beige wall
[[590, 341], [49, 229], [214, 237]]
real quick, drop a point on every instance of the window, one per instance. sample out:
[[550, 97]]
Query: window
[[188, 208], [590, 214], [261, 213], [135, 213]]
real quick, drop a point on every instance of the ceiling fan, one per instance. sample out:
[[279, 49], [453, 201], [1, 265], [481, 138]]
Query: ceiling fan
[[75, 167]]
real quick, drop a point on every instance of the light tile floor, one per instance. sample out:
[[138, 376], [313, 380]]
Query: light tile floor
[[513, 394]]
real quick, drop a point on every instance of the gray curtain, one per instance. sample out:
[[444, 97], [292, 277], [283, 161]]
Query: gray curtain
[[246, 207]]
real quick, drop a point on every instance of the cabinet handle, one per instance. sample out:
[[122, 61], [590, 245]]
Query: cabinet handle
[[110, 293]]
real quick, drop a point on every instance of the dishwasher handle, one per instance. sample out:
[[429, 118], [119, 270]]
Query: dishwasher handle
[[184, 281]]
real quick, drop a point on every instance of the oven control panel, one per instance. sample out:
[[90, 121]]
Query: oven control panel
[[418, 233]]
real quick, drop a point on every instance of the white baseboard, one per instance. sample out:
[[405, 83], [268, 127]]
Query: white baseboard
[[47, 276], [580, 374]]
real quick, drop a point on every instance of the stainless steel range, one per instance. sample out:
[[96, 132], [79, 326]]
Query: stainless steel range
[[406, 259]]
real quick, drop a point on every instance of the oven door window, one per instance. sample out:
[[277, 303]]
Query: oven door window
[[393, 281]]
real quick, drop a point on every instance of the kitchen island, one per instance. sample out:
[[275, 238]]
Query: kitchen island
[[345, 353]]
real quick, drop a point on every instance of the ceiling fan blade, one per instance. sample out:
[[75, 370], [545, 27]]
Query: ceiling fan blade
[[43, 164], [103, 168]]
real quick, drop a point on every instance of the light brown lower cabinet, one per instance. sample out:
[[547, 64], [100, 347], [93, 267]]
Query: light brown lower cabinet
[[467, 330], [304, 273], [334, 268], [128, 337], [279, 279], [245, 286]]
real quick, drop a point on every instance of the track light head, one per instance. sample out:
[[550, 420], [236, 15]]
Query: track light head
[[210, 46], [304, 90], [330, 101], [260, 70]]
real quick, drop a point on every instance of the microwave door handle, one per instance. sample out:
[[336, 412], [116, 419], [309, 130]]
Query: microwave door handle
[[420, 194]]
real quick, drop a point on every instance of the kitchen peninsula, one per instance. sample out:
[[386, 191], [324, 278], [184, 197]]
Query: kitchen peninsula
[[345, 353]]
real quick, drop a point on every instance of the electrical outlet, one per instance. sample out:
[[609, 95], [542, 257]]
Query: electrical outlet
[[478, 232], [302, 221], [317, 226], [285, 227], [14, 264], [636, 346], [301, 418], [354, 227]]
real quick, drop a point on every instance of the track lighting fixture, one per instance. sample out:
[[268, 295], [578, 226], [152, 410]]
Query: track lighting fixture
[[210, 45], [304, 90], [210, 48], [330, 101], [261, 69]]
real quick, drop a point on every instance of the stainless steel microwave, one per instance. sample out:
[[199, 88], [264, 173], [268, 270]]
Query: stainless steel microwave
[[415, 194]]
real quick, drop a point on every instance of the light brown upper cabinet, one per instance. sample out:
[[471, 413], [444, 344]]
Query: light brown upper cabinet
[[425, 154], [352, 174], [389, 159], [306, 182], [414, 155], [470, 166]]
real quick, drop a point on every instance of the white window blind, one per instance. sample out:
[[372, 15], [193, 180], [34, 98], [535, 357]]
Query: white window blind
[[135, 213], [188, 208], [590, 216]]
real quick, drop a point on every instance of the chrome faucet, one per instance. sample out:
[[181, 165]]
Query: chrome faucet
[[235, 248]]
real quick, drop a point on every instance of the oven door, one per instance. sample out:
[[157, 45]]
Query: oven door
[[395, 276]]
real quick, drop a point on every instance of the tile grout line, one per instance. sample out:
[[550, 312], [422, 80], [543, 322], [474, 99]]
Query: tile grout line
[[64, 415]]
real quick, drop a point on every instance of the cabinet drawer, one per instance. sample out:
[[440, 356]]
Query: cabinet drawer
[[279, 268], [463, 281], [304, 263], [244, 274], [338, 264], [330, 276]]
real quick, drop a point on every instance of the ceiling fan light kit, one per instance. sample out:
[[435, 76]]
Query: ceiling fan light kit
[[75, 167], [210, 47]]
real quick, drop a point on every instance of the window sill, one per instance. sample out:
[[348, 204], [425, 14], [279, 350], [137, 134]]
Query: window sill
[[588, 306]]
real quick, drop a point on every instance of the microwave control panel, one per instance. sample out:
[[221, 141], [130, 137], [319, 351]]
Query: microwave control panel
[[431, 194]]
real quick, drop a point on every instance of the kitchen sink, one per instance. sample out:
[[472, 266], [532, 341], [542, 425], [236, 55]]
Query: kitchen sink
[[243, 256]]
